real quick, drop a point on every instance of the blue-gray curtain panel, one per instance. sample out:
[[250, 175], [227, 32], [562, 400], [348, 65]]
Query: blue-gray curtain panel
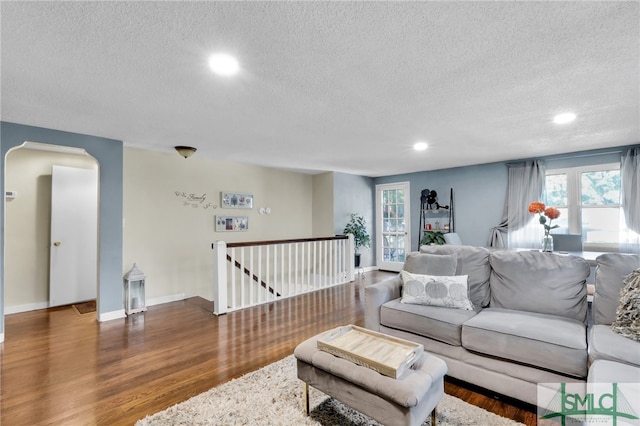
[[630, 186], [526, 184]]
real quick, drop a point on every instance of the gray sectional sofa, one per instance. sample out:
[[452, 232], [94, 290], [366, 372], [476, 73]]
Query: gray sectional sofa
[[529, 322], [612, 358]]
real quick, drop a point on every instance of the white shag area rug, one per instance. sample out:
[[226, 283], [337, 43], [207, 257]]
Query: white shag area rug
[[273, 396]]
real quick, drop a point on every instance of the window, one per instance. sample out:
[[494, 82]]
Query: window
[[589, 202]]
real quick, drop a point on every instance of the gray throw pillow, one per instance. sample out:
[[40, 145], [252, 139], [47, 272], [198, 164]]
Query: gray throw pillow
[[431, 264], [627, 321], [433, 290], [610, 273]]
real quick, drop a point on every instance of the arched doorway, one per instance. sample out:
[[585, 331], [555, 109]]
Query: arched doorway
[[28, 173]]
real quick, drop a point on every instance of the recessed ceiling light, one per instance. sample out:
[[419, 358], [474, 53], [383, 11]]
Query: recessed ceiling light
[[564, 118], [420, 146], [223, 64]]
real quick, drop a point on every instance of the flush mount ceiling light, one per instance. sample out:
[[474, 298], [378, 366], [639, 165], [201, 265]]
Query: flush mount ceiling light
[[420, 146], [564, 118], [223, 64], [185, 151]]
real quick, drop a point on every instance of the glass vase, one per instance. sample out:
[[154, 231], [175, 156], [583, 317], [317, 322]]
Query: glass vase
[[547, 244]]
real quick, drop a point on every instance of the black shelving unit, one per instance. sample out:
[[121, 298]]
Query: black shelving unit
[[440, 217]]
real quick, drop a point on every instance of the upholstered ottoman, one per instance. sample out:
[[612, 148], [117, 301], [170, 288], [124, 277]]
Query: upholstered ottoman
[[407, 400]]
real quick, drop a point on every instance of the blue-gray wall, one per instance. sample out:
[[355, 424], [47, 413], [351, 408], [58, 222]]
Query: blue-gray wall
[[109, 155], [355, 194], [480, 191]]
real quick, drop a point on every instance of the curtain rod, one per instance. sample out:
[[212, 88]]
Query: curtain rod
[[592, 154], [569, 156]]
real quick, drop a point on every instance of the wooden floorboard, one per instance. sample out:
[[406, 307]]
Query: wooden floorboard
[[62, 367]]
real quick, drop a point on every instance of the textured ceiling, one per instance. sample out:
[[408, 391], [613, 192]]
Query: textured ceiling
[[342, 86]]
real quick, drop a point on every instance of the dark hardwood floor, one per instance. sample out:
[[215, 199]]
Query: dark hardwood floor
[[62, 367]]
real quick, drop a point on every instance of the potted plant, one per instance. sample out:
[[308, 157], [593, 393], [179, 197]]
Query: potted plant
[[357, 228], [432, 238]]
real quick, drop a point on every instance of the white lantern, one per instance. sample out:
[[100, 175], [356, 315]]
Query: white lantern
[[134, 291]]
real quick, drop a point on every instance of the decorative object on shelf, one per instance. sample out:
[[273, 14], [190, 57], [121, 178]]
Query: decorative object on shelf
[[185, 151], [232, 200], [357, 227], [134, 291], [232, 223], [428, 198], [432, 238], [545, 212]]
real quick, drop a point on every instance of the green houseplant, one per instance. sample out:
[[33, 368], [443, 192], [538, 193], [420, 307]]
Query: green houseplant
[[357, 228], [432, 237]]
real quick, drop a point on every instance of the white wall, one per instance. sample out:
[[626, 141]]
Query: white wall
[[323, 205], [170, 238], [27, 231]]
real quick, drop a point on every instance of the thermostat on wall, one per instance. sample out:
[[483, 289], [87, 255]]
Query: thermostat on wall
[[10, 195]]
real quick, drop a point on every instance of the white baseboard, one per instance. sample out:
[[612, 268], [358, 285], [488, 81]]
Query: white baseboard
[[103, 317], [166, 299], [25, 308], [108, 316]]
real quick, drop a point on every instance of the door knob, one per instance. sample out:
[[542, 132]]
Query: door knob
[[57, 243]]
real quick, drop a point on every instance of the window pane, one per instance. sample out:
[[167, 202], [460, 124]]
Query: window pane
[[556, 188], [600, 188], [601, 225], [392, 197]]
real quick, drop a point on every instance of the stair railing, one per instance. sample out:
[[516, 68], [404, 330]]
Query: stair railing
[[252, 273]]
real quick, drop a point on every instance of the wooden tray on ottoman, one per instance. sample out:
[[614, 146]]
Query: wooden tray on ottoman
[[385, 354]]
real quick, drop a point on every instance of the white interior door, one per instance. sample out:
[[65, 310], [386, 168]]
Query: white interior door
[[73, 272], [393, 240]]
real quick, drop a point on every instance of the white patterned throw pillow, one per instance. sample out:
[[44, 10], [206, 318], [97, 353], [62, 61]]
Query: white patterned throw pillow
[[433, 290]]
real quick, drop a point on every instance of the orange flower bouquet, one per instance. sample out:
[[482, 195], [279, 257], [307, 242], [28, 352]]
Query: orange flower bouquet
[[545, 212]]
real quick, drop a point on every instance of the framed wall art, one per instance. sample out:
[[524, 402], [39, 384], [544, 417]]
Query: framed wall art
[[233, 200], [232, 223]]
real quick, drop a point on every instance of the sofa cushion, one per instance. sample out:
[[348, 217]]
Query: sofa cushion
[[545, 283], [434, 322], [472, 261], [611, 270], [419, 263], [435, 290], [546, 341], [602, 371], [605, 344]]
